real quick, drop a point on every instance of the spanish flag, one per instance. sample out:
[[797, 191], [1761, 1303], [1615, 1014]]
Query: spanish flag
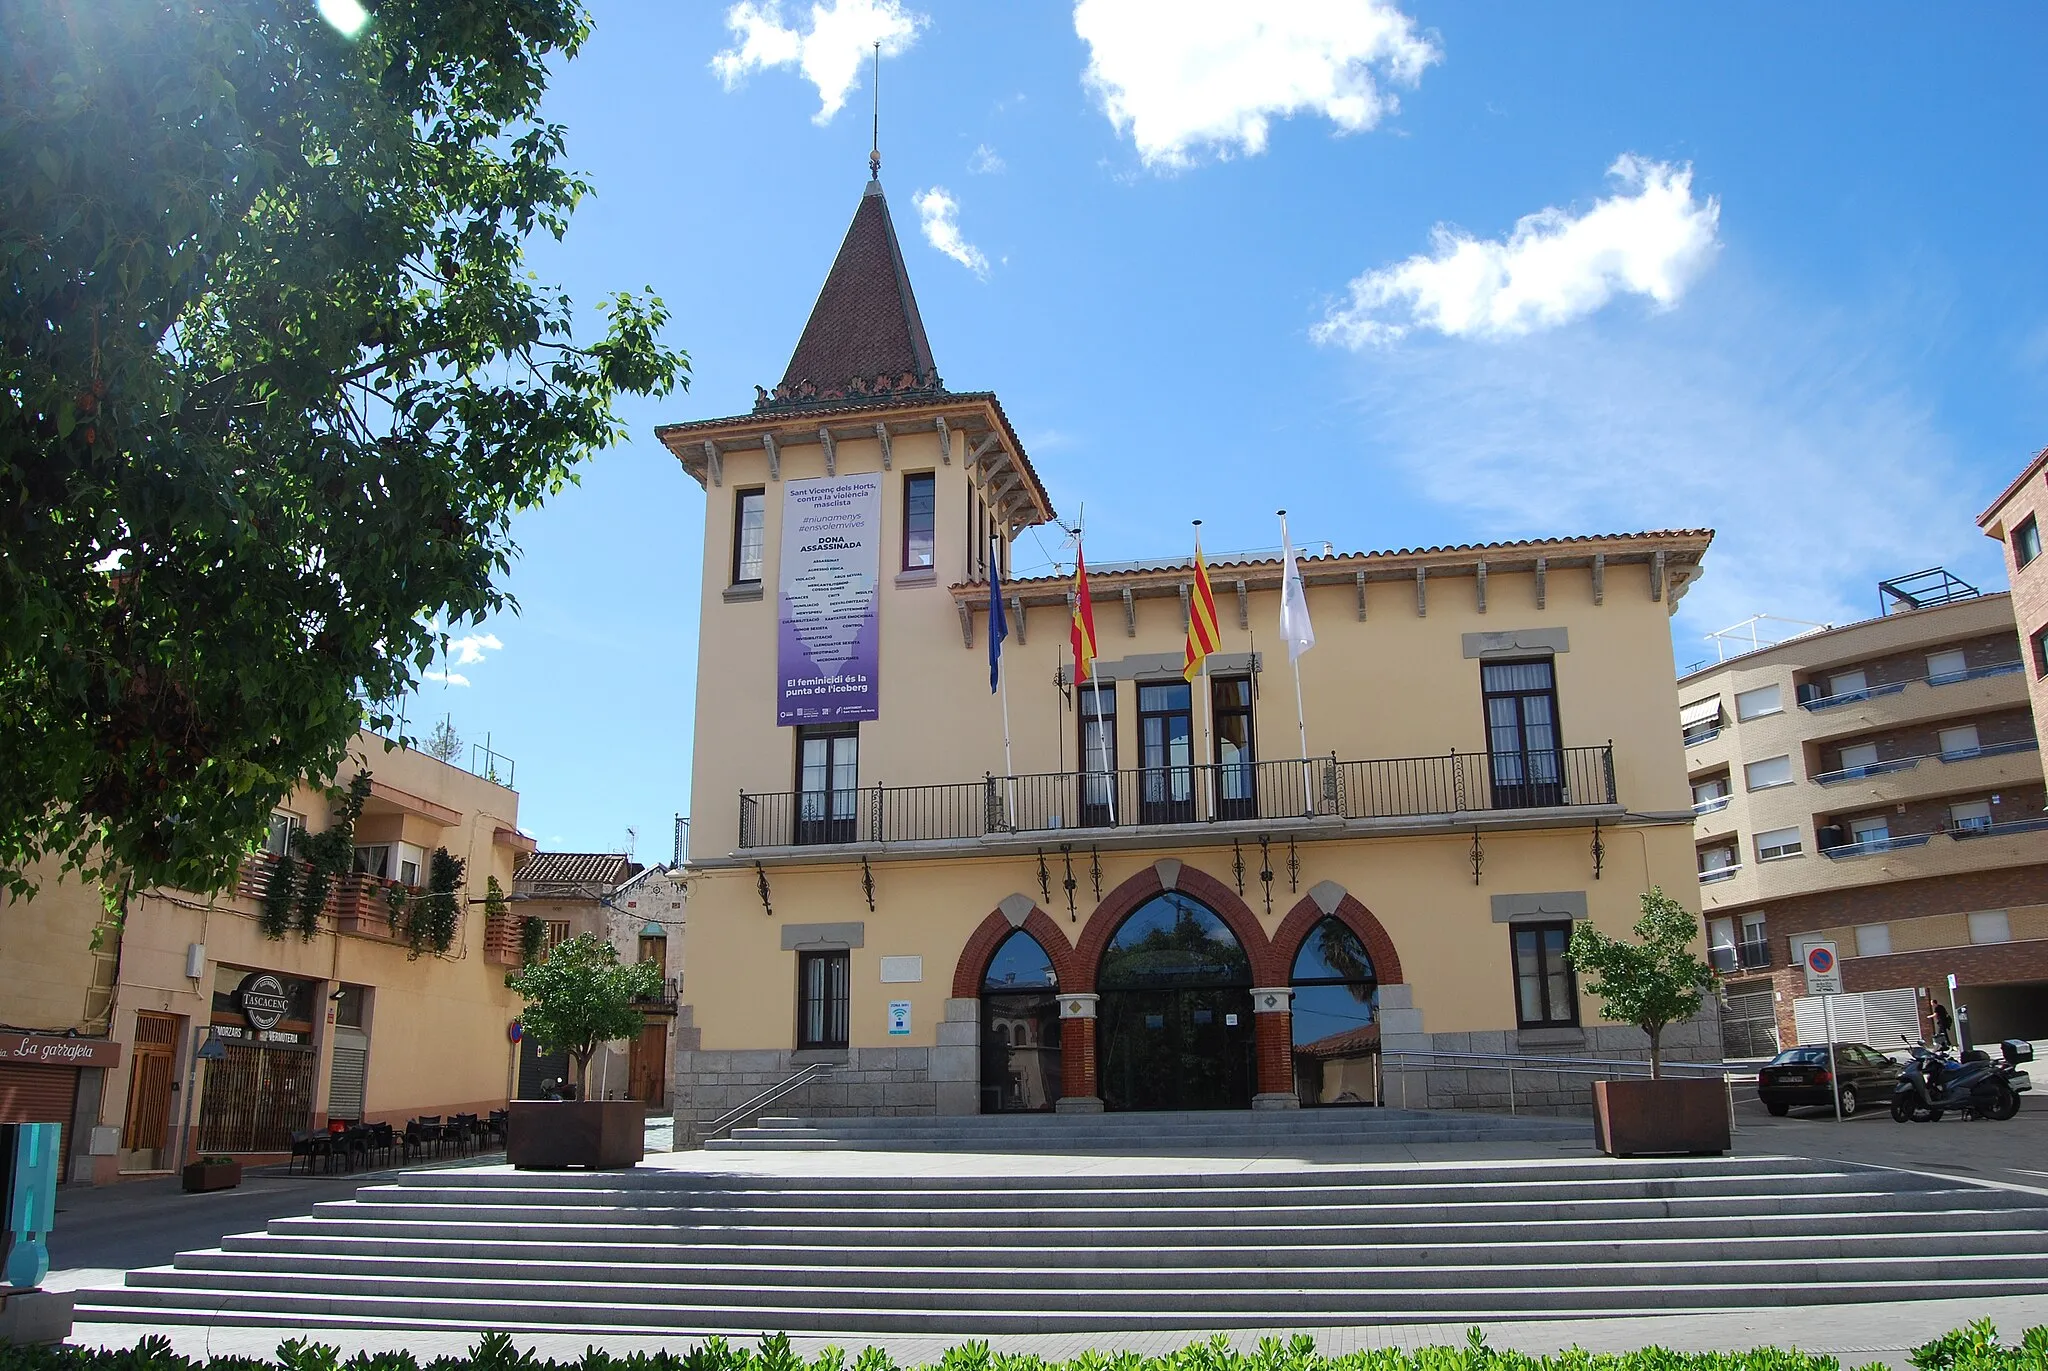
[[1084, 621], [1202, 635]]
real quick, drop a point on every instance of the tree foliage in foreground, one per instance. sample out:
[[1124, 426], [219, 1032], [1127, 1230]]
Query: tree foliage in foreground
[[580, 996], [273, 380], [1653, 982], [1972, 1348]]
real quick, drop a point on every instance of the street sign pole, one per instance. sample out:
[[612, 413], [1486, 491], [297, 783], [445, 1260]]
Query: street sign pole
[[1824, 978]]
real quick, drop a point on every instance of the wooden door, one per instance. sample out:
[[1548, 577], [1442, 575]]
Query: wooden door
[[647, 1063], [149, 1082]]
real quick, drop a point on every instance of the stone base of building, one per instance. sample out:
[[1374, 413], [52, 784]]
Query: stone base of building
[[869, 1082]]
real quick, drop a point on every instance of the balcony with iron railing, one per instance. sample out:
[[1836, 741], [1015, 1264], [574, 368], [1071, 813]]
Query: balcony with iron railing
[[358, 904], [1314, 789], [1750, 955], [664, 997]]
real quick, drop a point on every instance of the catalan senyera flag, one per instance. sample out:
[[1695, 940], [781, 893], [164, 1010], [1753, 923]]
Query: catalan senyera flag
[[1202, 634], [1084, 621]]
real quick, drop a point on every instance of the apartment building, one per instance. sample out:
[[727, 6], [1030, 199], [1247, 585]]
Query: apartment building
[[1878, 785], [1147, 897], [2015, 519], [336, 1016]]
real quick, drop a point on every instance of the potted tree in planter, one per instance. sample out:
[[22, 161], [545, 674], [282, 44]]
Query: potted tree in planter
[[1652, 982], [579, 997], [211, 1173]]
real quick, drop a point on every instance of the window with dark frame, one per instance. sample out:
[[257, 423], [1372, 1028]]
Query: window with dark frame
[[749, 536], [1166, 752], [1546, 992], [1522, 738], [1236, 787], [822, 981], [2026, 541], [2040, 642], [827, 774], [1096, 702], [920, 521]]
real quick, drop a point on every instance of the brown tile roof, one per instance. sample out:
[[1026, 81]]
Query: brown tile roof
[[576, 868], [1349, 1042], [2040, 460], [865, 336]]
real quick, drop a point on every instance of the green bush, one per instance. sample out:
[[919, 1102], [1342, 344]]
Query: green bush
[[1975, 1348]]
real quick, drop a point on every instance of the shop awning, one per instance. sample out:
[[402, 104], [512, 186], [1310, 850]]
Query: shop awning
[[1707, 711]]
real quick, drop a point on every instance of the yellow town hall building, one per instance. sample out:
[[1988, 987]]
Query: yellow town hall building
[[1166, 907]]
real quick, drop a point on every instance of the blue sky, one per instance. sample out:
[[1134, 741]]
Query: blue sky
[[1784, 279]]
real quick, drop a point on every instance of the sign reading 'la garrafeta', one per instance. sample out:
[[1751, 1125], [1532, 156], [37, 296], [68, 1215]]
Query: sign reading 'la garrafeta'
[[828, 650]]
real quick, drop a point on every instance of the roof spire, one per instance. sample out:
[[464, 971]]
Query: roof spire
[[875, 148]]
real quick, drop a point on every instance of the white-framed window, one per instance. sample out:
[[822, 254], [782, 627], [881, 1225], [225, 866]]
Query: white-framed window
[[373, 859], [1873, 940], [1960, 741], [1768, 772], [410, 865], [1708, 791], [1847, 682], [1875, 829], [1858, 755], [1990, 926], [1755, 704], [1969, 816], [1752, 928], [1949, 662], [1716, 859], [1778, 842], [283, 825]]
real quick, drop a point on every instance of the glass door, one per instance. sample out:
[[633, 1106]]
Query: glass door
[[1526, 762], [827, 764], [1166, 781], [1236, 779], [1098, 753]]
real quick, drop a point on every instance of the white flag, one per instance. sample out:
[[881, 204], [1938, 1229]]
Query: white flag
[[1295, 629]]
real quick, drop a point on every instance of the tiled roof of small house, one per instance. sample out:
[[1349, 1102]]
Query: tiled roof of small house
[[576, 868]]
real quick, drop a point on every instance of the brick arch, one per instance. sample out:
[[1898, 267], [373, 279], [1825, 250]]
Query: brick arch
[[989, 935], [1142, 886], [1302, 919]]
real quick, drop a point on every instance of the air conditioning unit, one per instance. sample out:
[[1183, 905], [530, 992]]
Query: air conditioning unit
[[1809, 691], [1830, 835]]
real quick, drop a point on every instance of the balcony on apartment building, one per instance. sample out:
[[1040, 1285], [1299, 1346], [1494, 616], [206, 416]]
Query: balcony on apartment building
[[1751, 954], [1315, 789]]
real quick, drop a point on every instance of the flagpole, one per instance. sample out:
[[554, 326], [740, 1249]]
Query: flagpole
[[1101, 728], [1208, 767], [1003, 689], [1308, 796]]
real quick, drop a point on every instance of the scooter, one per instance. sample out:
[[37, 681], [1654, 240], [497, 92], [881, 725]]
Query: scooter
[[1930, 1084]]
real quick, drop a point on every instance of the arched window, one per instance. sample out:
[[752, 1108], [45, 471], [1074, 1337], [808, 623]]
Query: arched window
[[1018, 1037], [1019, 964], [1169, 941], [1335, 1021]]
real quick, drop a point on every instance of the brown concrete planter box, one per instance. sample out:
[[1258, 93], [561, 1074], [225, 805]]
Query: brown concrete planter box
[[1635, 1118], [200, 1177], [546, 1135]]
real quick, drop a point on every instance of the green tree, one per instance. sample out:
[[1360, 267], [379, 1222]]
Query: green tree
[[1653, 982], [581, 996], [274, 379]]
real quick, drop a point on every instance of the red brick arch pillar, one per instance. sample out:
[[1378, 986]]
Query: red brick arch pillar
[[1079, 1092], [1273, 1047]]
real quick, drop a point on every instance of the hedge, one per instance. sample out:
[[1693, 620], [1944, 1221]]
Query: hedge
[[1973, 1348]]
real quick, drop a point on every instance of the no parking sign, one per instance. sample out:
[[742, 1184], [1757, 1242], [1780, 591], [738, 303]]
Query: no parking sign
[[1823, 972]]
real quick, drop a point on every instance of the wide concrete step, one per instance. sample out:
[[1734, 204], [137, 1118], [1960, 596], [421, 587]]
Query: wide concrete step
[[1186, 1246], [1011, 1309], [1050, 1267]]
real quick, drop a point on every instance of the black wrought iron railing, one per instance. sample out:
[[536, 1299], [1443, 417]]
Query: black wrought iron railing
[[1318, 787], [1752, 955]]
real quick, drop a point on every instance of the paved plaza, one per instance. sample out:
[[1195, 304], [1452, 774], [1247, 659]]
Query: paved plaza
[[102, 1232]]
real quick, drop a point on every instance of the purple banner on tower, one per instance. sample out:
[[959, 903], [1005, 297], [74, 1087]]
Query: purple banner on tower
[[828, 649]]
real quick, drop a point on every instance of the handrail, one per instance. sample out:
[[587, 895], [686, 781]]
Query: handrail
[[815, 1071], [1600, 1067]]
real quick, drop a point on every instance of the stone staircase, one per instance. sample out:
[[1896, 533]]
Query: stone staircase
[[1239, 1131], [673, 1251]]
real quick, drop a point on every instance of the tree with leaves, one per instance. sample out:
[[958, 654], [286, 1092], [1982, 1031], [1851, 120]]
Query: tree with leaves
[[274, 379], [1653, 982], [443, 742], [581, 996]]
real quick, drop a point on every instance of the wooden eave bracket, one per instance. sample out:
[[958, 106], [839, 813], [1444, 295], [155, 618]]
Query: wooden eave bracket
[[945, 441], [966, 623], [882, 437], [1599, 578], [1017, 617], [1185, 591], [831, 451], [1542, 570], [1130, 614], [1422, 592], [1244, 605], [1657, 574], [1479, 582], [714, 465], [1361, 594], [774, 456]]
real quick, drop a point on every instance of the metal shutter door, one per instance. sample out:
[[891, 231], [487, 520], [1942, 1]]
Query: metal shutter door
[[345, 1085], [1892, 1015], [40, 1094]]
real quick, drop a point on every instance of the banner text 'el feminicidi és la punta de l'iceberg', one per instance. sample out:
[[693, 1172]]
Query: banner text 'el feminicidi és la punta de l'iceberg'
[[829, 646]]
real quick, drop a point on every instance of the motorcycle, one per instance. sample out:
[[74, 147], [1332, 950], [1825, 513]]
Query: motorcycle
[[1931, 1084]]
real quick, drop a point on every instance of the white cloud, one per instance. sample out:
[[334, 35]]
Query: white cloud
[[986, 161], [1180, 76], [940, 212], [1784, 429], [1653, 239], [470, 648], [831, 52], [446, 678]]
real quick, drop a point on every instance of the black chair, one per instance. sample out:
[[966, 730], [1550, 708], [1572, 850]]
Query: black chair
[[495, 1126], [309, 1146], [354, 1142], [464, 1129], [418, 1139], [383, 1141]]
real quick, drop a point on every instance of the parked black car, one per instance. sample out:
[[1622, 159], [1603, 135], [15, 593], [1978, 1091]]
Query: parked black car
[[1799, 1075]]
